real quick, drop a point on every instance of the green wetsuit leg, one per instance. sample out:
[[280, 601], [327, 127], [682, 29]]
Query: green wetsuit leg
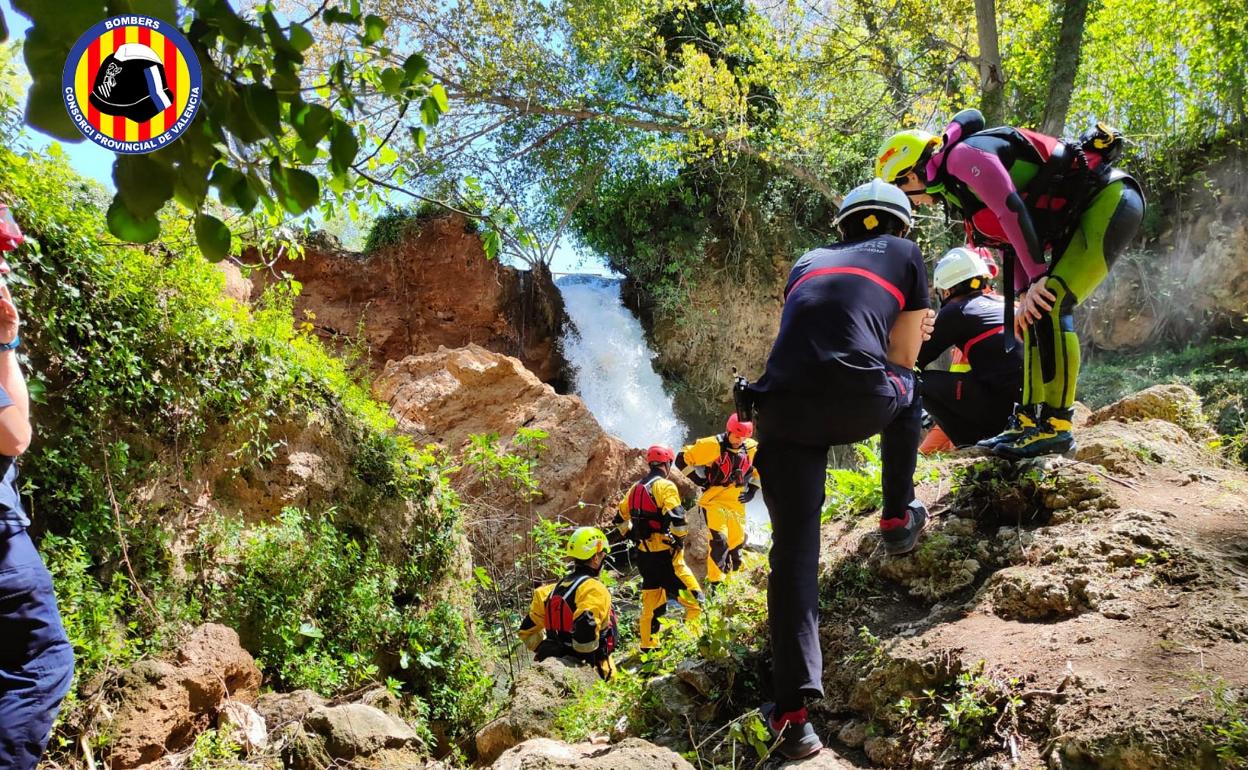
[[1105, 228]]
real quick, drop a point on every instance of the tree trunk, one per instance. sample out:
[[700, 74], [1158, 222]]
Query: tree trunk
[[1065, 66], [992, 95]]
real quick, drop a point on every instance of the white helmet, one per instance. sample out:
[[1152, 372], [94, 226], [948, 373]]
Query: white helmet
[[876, 195], [958, 265]]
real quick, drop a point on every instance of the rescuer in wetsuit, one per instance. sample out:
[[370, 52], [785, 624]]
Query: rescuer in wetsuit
[[1033, 194], [972, 404]]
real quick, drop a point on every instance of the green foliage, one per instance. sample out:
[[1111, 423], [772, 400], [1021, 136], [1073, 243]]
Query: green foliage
[[849, 492], [142, 375], [1217, 370], [976, 706], [258, 76], [214, 750], [1228, 729]]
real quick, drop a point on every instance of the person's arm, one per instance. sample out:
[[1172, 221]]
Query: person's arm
[[15, 431], [944, 336], [533, 628], [906, 338], [623, 518], [982, 171], [667, 496], [593, 615]]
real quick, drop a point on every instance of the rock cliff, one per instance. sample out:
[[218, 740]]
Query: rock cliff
[[434, 288]]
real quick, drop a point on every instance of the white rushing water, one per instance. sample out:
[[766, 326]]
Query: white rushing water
[[613, 372]]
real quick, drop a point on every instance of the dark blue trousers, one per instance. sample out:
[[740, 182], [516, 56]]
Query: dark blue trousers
[[795, 432], [36, 659]]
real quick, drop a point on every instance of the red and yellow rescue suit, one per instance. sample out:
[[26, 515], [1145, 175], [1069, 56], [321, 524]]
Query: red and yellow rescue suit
[[724, 472], [573, 618], [652, 517]]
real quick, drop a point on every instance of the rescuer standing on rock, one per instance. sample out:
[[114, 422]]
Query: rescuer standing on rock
[[975, 403], [651, 516], [1034, 194], [573, 618], [840, 371], [36, 659], [723, 466]]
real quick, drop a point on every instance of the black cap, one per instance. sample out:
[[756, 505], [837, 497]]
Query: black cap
[[131, 84]]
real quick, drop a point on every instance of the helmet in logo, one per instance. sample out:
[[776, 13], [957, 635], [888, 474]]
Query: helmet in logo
[[131, 84]]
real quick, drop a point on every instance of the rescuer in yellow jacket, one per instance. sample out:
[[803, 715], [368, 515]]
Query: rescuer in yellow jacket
[[651, 516], [573, 618], [723, 466]]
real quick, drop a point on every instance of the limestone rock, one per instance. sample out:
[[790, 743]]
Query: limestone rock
[[245, 723], [537, 696], [1137, 448], [353, 730], [824, 760], [445, 397], [287, 707], [435, 287], [1024, 593], [1173, 403], [886, 752], [162, 706], [672, 698], [853, 734], [631, 754]]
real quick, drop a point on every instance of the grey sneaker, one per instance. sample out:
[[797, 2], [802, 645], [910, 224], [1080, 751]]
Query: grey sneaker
[[902, 535], [797, 739]]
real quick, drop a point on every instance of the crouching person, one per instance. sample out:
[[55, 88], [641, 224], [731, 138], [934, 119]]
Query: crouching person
[[36, 659], [573, 618]]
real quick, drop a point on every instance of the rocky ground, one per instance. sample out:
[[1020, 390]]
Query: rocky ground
[[1071, 613], [1078, 613]]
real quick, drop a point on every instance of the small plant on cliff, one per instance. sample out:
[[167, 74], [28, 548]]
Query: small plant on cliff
[[1229, 727]]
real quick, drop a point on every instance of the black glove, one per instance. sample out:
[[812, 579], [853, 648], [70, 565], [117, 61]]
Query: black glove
[[748, 494], [743, 397], [677, 543]]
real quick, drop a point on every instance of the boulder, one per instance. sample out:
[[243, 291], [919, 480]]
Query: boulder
[[1027, 593], [354, 730], [162, 705], [447, 396], [853, 734], [287, 707], [1172, 403], [245, 724], [434, 287], [1137, 448], [537, 696], [630, 754]]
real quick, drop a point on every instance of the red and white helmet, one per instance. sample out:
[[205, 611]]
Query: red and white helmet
[[660, 454], [10, 234], [739, 427]]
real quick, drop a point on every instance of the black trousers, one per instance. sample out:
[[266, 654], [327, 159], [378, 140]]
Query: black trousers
[[965, 408], [795, 434]]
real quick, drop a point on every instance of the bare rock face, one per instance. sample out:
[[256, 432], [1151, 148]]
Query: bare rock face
[[1194, 280], [163, 705], [447, 396], [539, 693], [435, 288], [630, 754]]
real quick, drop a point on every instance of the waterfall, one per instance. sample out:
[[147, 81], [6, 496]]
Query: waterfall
[[613, 373]]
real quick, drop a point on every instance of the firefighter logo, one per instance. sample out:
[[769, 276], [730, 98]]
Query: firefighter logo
[[132, 84]]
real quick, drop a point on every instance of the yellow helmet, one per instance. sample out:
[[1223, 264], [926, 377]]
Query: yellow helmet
[[586, 542], [901, 152]]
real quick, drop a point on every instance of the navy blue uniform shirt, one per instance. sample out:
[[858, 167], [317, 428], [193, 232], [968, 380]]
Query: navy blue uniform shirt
[[12, 518], [840, 304], [976, 324]]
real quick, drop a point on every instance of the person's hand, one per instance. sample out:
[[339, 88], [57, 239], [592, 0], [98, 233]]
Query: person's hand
[[1036, 302], [929, 324], [9, 320], [748, 494]]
